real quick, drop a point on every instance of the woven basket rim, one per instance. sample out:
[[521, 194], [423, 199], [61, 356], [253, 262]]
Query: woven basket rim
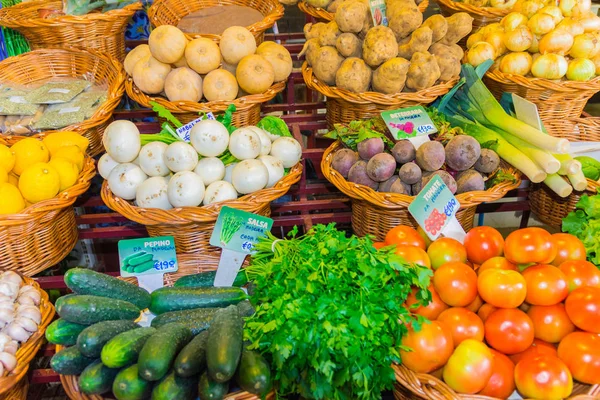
[[324, 15], [486, 12], [544, 84], [394, 201]]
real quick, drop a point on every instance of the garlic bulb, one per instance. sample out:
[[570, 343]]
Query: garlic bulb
[[11, 347], [17, 332], [11, 276], [6, 316], [26, 323], [24, 299], [9, 289], [31, 312], [9, 361]]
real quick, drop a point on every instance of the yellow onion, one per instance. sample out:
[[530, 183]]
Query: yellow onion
[[516, 63], [529, 7], [591, 23], [502, 4], [519, 39], [513, 20], [496, 39], [474, 38], [586, 45], [557, 41], [535, 56], [570, 25], [581, 69], [540, 24], [480, 52], [491, 28], [535, 45], [596, 61], [549, 66], [581, 8], [566, 6], [554, 12]]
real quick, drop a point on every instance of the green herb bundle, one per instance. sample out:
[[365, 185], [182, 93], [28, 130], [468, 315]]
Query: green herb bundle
[[584, 223], [330, 312]]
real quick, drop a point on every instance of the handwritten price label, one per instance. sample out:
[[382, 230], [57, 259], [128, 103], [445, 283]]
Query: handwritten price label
[[408, 122], [164, 265]]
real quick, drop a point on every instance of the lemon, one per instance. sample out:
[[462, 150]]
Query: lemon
[[71, 153], [56, 140], [3, 175], [13, 179], [39, 182], [28, 152], [11, 201], [7, 158], [67, 171]]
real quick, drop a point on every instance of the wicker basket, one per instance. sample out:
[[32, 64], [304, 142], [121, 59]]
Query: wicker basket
[[43, 234], [482, 16], [375, 213], [170, 12], [322, 15], [104, 32], [14, 385], [40, 65], [344, 106]]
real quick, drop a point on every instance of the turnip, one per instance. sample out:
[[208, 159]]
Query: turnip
[[229, 171], [105, 165], [180, 156], [274, 168], [185, 189], [122, 141], [249, 176], [265, 140], [245, 144], [219, 191], [151, 159], [124, 180], [381, 167], [152, 193], [288, 150], [210, 169], [209, 137]]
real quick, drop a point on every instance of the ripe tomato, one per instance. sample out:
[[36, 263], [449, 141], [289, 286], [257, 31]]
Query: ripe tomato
[[550, 323], [580, 273], [509, 330], [404, 235], [529, 245], [496, 263], [475, 305], [502, 288], [502, 381], [379, 245], [463, 323], [537, 348], [485, 310], [583, 308], [546, 285], [456, 283], [581, 352], [446, 250], [414, 254], [543, 377], [483, 243], [469, 368], [430, 311], [568, 247], [432, 346]]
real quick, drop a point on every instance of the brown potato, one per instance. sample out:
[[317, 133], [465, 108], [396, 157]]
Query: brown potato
[[379, 46], [311, 49], [420, 40], [423, 71], [438, 24], [329, 34], [349, 45], [390, 77], [350, 15], [403, 17], [447, 60], [326, 63], [459, 26], [312, 31], [353, 75]]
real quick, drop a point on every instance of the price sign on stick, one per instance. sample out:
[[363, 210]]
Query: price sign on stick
[[410, 123]]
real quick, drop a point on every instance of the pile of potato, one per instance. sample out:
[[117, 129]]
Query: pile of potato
[[408, 55], [500, 4]]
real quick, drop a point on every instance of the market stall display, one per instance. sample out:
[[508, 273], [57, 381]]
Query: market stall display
[[324, 11]]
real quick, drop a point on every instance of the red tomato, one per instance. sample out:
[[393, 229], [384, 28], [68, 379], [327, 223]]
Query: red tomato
[[546, 285], [502, 288], [430, 311], [414, 254], [580, 273], [475, 305], [483, 243], [543, 377], [568, 247], [509, 330], [432, 346], [497, 263], [379, 245], [502, 381], [550, 323], [404, 235], [469, 368], [583, 308], [446, 250], [529, 245], [538, 348], [581, 352], [485, 310], [463, 323], [456, 283]]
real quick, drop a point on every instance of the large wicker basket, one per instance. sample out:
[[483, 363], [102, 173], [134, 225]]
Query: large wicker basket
[[104, 32], [482, 16], [170, 12], [344, 106], [44, 233], [375, 213], [40, 65], [322, 15], [14, 385]]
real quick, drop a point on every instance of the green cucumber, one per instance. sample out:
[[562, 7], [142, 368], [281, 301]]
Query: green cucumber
[[63, 332], [69, 361], [211, 390], [86, 281], [175, 298], [123, 349], [88, 310], [173, 387], [192, 359], [140, 259], [196, 320], [94, 337], [246, 308], [160, 350], [143, 267], [133, 256], [129, 386], [224, 347], [253, 374], [96, 378], [207, 279]]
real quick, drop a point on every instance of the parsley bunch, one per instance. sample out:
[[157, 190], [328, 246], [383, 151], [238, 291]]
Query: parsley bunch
[[330, 312], [584, 223]]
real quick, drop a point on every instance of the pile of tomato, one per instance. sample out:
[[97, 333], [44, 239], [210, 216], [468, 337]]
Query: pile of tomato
[[521, 313]]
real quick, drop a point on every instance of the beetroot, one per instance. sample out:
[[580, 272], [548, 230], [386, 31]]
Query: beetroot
[[358, 174], [381, 167], [343, 160], [368, 148]]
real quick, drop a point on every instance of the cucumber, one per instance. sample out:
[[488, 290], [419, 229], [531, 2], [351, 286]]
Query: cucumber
[[160, 350], [253, 374], [175, 298], [211, 390], [173, 387], [192, 359], [86, 281], [63, 332], [123, 349], [246, 308], [196, 320], [96, 378], [129, 386], [224, 347], [88, 310], [94, 337], [69, 361], [207, 279], [133, 256], [143, 267], [140, 259]]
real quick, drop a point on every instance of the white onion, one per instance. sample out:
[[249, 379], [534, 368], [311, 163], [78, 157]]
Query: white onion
[[152, 193], [265, 140], [209, 137], [152, 159], [288, 150], [124, 180], [274, 168], [180, 156], [122, 141], [244, 144], [249, 176], [210, 169], [186, 189], [228, 172], [219, 191]]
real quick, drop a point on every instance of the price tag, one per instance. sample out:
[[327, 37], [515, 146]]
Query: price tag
[[378, 14], [527, 112], [184, 131], [411, 123]]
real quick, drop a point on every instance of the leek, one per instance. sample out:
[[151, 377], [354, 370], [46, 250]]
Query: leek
[[578, 181], [549, 164], [558, 185], [568, 165]]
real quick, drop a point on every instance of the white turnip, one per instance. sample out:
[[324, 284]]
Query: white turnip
[[124, 180]]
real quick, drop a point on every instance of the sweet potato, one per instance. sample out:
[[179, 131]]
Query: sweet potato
[[403, 17], [353, 75], [438, 24], [459, 26], [390, 77], [349, 45], [419, 40], [329, 34], [379, 46], [326, 63], [423, 71], [350, 16]]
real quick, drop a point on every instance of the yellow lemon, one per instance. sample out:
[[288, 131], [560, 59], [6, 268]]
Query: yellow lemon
[[56, 140], [7, 158], [11, 201], [28, 152], [39, 182], [3, 175], [13, 179], [71, 153], [67, 171]]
